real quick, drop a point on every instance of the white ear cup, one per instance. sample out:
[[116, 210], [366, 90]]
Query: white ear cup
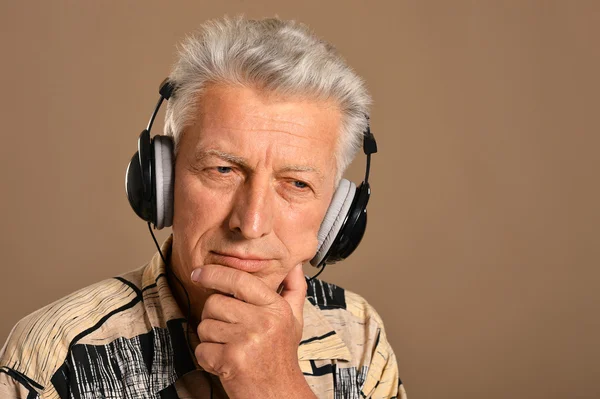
[[164, 171], [334, 218]]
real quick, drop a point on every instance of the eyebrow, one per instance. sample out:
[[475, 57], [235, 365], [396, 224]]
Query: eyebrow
[[200, 155]]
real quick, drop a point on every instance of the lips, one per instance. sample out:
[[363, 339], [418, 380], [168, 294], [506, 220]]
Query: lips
[[247, 263]]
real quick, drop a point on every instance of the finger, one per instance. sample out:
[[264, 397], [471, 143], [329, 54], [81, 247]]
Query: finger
[[210, 356], [294, 291], [217, 331], [240, 284], [225, 308]]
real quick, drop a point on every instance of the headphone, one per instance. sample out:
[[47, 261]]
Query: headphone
[[149, 185]]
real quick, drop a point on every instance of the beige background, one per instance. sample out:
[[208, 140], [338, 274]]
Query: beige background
[[483, 247]]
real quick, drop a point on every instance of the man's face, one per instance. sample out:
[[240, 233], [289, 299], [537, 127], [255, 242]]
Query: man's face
[[254, 176]]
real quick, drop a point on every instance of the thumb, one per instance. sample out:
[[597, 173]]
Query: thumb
[[294, 291]]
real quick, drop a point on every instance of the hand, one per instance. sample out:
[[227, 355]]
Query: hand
[[250, 339]]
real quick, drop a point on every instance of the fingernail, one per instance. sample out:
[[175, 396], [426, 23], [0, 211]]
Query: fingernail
[[196, 275]]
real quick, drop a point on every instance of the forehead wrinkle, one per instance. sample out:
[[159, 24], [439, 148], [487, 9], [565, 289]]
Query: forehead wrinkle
[[282, 125], [258, 120], [262, 130]]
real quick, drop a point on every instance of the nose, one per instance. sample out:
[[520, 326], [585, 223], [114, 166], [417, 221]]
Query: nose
[[252, 213]]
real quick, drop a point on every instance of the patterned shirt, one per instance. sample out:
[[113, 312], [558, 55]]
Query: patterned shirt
[[126, 338]]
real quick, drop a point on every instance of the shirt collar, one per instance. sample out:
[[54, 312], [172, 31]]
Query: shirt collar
[[320, 341]]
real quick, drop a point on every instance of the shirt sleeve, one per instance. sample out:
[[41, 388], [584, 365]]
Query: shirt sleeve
[[384, 379], [12, 388]]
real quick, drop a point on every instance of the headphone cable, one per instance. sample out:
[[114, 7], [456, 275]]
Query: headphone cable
[[319, 272], [368, 168]]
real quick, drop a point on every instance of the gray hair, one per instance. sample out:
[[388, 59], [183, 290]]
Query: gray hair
[[284, 57]]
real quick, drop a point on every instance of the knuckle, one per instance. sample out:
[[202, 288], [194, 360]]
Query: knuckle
[[212, 301], [253, 339], [224, 372], [199, 353], [200, 329], [208, 363], [202, 359], [233, 362], [204, 314], [211, 305], [203, 329]]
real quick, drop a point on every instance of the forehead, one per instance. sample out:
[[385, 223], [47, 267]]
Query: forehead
[[247, 105], [244, 120]]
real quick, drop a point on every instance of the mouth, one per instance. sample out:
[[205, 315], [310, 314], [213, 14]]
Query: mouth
[[247, 263]]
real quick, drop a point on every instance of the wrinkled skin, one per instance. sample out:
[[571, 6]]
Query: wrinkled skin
[[254, 176]]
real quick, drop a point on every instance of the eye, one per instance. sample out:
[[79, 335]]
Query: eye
[[223, 169], [299, 184]]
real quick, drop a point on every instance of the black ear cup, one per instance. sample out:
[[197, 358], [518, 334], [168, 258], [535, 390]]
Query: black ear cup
[[149, 180], [135, 189], [138, 179], [145, 159]]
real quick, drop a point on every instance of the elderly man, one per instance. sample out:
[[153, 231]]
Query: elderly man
[[262, 120]]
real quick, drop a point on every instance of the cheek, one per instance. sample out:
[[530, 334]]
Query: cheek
[[196, 209], [298, 232]]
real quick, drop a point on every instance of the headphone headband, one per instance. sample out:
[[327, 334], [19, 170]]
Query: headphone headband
[[166, 88], [369, 143]]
